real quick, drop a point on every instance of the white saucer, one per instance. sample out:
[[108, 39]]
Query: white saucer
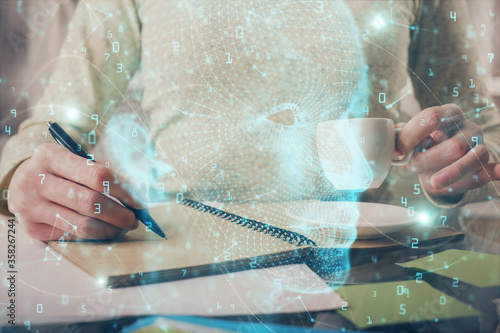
[[375, 220]]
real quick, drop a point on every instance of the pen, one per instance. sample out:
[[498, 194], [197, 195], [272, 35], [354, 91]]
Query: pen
[[65, 140]]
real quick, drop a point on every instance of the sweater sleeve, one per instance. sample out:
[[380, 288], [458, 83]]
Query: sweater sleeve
[[446, 69], [97, 60]]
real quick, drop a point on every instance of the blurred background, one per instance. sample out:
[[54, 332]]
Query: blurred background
[[32, 32]]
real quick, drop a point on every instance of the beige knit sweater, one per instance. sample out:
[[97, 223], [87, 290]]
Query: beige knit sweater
[[233, 89]]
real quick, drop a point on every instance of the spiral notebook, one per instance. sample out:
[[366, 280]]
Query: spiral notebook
[[202, 240], [216, 238]]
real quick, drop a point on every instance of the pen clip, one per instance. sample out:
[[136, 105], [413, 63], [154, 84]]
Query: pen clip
[[55, 137]]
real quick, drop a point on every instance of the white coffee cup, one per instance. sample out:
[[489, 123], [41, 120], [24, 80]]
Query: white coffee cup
[[357, 153]]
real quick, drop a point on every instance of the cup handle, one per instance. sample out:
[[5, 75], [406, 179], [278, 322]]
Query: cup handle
[[407, 157]]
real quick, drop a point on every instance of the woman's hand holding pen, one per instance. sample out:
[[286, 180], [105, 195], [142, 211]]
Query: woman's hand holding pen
[[59, 194]]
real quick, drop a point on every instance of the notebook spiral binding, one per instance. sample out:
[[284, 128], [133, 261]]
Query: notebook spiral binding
[[283, 234]]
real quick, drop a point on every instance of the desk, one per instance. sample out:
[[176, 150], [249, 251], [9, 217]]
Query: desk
[[51, 290], [46, 282]]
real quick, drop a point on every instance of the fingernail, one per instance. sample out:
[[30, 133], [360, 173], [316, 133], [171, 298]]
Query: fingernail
[[440, 180], [122, 233], [410, 167], [136, 225]]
